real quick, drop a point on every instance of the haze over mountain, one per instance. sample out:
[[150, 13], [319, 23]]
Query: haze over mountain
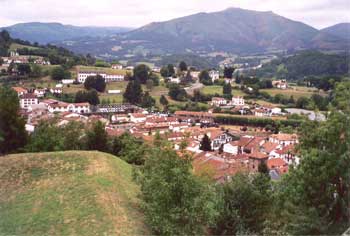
[[341, 30], [233, 30], [52, 32]]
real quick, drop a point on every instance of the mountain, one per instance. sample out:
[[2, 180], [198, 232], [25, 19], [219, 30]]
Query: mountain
[[52, 32], [68, 193], [341, 30], [233, 30]]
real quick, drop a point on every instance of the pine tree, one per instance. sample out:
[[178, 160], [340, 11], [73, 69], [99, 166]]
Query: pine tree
[[133, 92], [205, 144]]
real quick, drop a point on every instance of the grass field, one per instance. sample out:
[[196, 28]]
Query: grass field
[[15, 46], [68, 193], [217, 89], [296, 91]]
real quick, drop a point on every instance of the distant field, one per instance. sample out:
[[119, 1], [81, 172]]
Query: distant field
[[296, 91], [68, 193], [216, 89], [15, 46]]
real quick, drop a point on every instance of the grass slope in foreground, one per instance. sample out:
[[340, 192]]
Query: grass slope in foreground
[[68, 193]]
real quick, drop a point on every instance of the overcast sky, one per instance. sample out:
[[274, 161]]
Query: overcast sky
[[135, 13]]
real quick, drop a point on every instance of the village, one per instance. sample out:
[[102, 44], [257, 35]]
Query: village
[[232, 149]]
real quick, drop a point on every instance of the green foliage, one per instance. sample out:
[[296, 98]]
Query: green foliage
[[24, 69], [90, 96], [227, 89], [12, 126], [228, 71], [101, 63], [341, 95], [133, 92], [183, 66], [163, 100], [175, 202], [95, 82], [177, 93], [47, 137], [204, 78], [142, 73], [59, 73], [129, 149], [244, 205], [205, 144], [36, 71], [96, 138], [148, 101]]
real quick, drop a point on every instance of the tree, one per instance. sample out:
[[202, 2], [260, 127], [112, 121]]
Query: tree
[[244, 205], [59, 73], [95, 82], [149, 84], [96, 138], [164, 72], [177, 93], [148, 101], [133, 92], [183, 66], [36, 71], [141, 73], [204, 78], [205, 144], [154, 77], [87, 96], [163, 101], [228, 72], [171, 70], [12, 126], [227, 89], [302, 102], [175, 202], [24, 69]]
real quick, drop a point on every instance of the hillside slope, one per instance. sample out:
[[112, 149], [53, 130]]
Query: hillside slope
[[341, 30], [232, 30], [51, 32], [68, 193]]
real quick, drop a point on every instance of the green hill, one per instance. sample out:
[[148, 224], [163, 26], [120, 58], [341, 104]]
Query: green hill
[[68, 193]]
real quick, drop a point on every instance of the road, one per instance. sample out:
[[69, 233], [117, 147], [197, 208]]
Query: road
[[195, 86]]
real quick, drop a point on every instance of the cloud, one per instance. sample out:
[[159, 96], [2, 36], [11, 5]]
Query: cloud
[[134, 13]]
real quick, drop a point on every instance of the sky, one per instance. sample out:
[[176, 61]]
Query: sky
[[136, 13]]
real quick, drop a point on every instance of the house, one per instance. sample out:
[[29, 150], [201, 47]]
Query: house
[[67, 81], [193, 116], [278, 164], [69, 107], [281, 84], [20, 91], [120, 118], [56, 90], [40, 93], [219, 137], [238, 101], [137, 117], [217, 101], [174, 80], [261, 112], [195, 74], [214, 75], [284, 139], [27, 100], [82, 76], [288, 154], [117, 66], [276, 111]]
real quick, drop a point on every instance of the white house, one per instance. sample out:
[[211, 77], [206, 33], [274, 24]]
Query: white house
[[114, 91], [276, 111], [214, 75], [40, 93], [238, 101], [71, 107], [28, 99], [217, 101], [137, 117], [67, 81], [56, 90], [108, 77], [281, 84], [117, 66], [174, 80], [284, 139]]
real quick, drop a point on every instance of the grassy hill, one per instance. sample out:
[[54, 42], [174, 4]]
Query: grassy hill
[[68, 193]]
